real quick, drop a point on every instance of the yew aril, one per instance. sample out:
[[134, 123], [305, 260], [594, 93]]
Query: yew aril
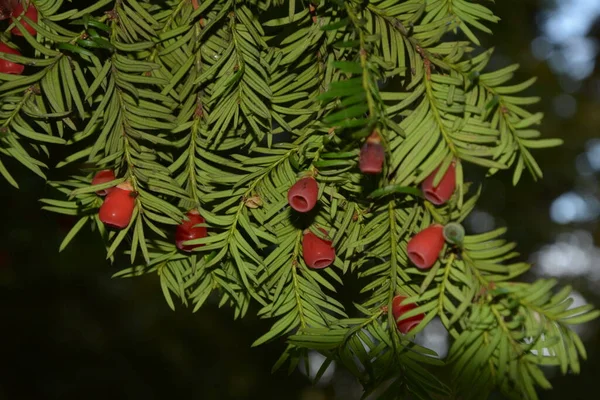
[[9, 67], [425, 247], [31, 13], [101, 177], [398, 309], [188, 230], [372, 155], [6, 8], [302, 196], [117, 209], [443, 191], [318, 253]]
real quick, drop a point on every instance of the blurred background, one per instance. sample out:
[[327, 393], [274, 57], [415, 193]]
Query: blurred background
[[69, 331]]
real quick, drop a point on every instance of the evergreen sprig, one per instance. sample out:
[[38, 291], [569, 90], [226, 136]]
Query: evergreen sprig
[[221, 105]]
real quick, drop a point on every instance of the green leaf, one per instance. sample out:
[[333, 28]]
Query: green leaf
[[73, 232], [392, 189]]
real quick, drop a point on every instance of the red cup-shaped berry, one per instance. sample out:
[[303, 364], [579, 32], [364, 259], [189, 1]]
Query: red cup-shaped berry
[[371, 158], [6, 7], [117, 209], [101, 177], [425, 247], [31, 13], [9, 67], [408, 324], [188, 231], [443, 191], [372, 155], [302, 196], [318, 253]]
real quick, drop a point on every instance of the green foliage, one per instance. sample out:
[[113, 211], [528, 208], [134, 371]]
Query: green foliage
[[223, 104]]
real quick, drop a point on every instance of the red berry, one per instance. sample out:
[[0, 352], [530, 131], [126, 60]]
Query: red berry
[[317, 252], [444, 190], [31, 13], [6, 7], [188, 231], [372, 155], [302, 197], [425, 247], [408, 324], [101, 177], [9, 67], [117, 209]]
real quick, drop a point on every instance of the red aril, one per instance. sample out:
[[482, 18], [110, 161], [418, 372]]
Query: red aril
[[302, 196], [117, 209], [318, 253], [424, 248], [188, 230], [9, 67], [31, 13], [101, 177]]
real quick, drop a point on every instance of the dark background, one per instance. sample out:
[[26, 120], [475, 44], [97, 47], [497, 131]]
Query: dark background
[[69, 331]]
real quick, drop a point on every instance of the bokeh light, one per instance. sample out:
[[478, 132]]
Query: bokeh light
[[563, 41]]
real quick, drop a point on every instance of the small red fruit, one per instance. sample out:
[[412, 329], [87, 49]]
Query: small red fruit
[[31, 13], [188, 231], [117, 209], [317, 252], [101, 177], [443, 191], [425, 247], [6, 7], [302, 196], [398, 310], [372, 155], [9, 67]]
